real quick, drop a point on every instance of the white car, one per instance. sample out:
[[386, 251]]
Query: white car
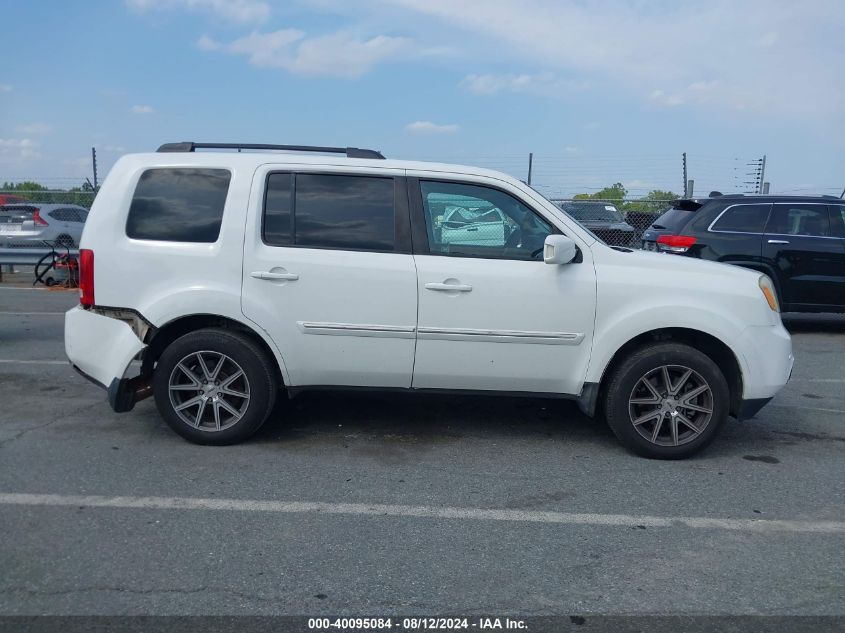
[[233, 276]]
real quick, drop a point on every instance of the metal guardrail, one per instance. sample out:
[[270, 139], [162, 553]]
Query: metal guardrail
[[28, 256]]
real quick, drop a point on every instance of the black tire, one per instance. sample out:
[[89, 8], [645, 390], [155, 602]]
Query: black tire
[[258, 382], [622, 402]]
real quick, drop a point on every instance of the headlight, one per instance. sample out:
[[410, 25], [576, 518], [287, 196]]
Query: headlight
[[768, 289]]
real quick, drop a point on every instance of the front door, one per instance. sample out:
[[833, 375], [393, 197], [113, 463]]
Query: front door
[[328, 273], [803, 246], [492, 314]]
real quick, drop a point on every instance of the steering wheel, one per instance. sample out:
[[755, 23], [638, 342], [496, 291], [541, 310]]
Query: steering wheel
[[537, 252]]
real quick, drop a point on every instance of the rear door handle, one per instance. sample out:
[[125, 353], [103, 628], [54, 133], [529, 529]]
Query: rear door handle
[[264, 274], [778, 241], [449, 287]]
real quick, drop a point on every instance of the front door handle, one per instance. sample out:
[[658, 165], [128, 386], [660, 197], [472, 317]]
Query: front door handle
[[264, 274], [449, 287], [778, 241]]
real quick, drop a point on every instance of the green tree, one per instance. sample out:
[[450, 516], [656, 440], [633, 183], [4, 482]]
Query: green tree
[[27, 185], [655, 201], [36, 192], [615, 193]]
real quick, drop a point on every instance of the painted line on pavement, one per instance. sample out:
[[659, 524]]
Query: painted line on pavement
[[431, 512], [12, 361]]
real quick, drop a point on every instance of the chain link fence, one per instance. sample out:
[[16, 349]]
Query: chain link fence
[[616, 222]]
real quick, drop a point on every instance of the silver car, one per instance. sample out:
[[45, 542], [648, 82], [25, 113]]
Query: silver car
[[32, 224]]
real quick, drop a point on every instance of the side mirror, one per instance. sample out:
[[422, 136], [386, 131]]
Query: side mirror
[[559, 249]]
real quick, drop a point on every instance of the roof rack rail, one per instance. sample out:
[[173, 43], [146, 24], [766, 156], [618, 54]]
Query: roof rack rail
[[351, 152]]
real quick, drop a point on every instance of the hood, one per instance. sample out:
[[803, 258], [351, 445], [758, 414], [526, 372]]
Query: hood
[[685, 265]]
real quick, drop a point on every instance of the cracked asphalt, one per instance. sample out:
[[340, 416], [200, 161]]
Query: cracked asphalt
[[58, 437]]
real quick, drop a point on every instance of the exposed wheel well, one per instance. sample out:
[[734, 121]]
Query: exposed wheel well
[[720, 353], [158, 339]]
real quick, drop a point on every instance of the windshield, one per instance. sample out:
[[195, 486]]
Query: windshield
[[594, 212]]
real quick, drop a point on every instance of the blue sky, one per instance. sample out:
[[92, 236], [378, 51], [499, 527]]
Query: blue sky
[[600, 91]]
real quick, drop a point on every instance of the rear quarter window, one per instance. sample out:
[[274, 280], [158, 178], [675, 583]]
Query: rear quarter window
[[178, 205], [674, 219]]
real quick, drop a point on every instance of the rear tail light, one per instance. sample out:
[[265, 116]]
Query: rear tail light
[[39, 221], [86, 277], [675, 243]]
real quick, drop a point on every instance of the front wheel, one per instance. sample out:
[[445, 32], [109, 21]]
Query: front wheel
[[214, 386], [666, 401]]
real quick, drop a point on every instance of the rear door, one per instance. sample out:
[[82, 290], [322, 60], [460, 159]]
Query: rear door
[[736, 235], [802, 245], [328, 273]]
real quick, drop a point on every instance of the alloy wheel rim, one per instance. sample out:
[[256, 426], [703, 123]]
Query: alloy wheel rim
[[671, 405], [209, 391]]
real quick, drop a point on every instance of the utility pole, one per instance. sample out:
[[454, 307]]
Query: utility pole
[[690, 189], [530, 164], [686, 182], [762, 175], [94, 163], [766, 188]]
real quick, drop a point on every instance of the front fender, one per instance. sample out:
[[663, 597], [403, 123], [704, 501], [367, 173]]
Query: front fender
[[615, 330]]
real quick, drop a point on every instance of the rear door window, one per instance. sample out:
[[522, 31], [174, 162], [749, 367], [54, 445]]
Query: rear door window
[[178, 205], [349, 212], [742, 218], [330, 211], [799, 219]]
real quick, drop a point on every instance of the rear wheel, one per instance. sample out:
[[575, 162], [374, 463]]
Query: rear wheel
[[666, 401], [214, 386]]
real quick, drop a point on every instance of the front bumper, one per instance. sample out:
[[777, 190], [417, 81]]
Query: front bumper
[[768, 357], [101, 349], [749, 408]]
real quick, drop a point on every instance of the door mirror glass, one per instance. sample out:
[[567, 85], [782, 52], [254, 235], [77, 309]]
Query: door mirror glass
[[559, 249]]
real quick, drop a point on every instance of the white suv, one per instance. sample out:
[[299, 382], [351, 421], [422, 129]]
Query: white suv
[[234, 275]]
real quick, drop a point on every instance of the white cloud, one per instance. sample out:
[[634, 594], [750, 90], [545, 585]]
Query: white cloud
[[235, 10], [641, 50], [427, 127], [5, 88], [15, 150], [338, 54], [205, 43], [141, 109], [545, 83], [34, 128], [660, 97]]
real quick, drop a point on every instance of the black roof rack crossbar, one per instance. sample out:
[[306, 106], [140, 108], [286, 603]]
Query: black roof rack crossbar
[[351, 152]]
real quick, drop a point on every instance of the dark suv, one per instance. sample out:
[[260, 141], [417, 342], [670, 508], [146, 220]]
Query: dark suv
[[602, 218], [798, 241]]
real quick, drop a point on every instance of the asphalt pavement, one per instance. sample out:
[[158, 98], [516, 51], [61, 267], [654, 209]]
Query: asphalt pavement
[[409, 504]]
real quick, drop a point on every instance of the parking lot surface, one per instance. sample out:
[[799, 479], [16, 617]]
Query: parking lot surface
[[410, 504]]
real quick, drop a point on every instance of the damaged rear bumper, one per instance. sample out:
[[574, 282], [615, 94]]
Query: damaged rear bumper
[[101, 347]]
